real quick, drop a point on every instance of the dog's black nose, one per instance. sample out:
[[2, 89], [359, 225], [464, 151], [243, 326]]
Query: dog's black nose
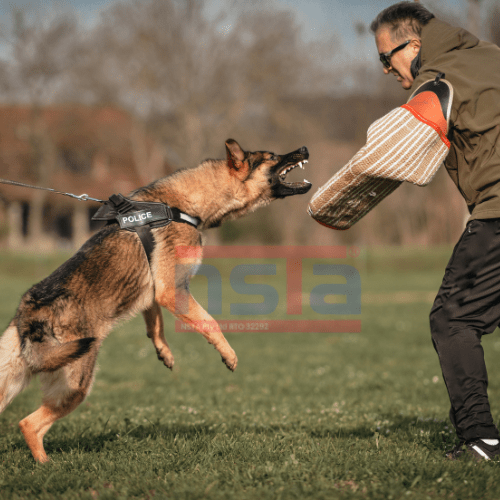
[[303, 150]]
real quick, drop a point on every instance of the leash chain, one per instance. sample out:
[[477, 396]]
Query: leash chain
[[82, 197]]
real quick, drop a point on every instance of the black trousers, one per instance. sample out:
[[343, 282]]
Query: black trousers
[[467, 307]]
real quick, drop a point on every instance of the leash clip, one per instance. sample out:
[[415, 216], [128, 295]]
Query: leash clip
[[84, 197]]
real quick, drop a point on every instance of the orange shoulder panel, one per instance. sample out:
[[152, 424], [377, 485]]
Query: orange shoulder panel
[[427, 105]]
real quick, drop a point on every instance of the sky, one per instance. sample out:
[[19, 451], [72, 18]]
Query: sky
[[318, 18], [334, 16]]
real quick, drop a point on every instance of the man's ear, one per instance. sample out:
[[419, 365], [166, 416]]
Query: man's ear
[[235, 155], [416, 45]]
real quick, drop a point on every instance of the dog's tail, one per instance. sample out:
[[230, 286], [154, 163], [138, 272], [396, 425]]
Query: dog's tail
[[15, 373], [18, 362]]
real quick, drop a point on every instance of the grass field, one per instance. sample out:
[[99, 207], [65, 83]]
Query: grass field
[[344, 415]]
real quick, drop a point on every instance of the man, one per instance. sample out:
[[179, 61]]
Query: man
[[414, 46]]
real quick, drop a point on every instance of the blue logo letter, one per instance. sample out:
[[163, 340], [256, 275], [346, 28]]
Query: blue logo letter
[[269, 293], [351, 290]]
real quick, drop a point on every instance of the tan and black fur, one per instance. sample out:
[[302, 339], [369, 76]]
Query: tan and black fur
[[62, 321]]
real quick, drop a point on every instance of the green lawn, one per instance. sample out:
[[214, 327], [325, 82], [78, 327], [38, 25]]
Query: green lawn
[[344, 415]]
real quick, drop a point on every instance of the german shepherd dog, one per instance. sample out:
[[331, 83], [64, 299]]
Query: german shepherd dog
[[62, 321]]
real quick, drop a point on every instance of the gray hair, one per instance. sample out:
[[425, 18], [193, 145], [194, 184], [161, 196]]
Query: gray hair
[[404, 20]]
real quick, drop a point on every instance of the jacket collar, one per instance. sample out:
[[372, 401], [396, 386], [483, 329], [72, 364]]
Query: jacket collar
[[416, 64], [439, 37]]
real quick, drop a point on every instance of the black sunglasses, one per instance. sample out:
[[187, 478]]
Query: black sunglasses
[[385, 58]]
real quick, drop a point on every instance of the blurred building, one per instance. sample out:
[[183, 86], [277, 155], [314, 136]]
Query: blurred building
[[76, 149]]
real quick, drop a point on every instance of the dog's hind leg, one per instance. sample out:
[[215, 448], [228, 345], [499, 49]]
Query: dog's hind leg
[[63, 391], [154, 327], [15, 374], [183, 305], [35, 426]]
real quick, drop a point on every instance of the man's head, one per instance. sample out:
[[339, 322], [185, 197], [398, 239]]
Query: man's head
[[397, 31]]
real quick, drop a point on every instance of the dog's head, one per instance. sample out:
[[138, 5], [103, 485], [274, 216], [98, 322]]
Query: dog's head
[[258, 165]]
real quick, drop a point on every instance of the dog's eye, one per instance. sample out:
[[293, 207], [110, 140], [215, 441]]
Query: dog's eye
[[273, 158]]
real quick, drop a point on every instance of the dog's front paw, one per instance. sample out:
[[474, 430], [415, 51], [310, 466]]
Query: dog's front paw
[[166, 357], [230, 361]]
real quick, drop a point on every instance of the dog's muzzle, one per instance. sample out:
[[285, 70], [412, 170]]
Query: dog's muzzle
[[281, 188]]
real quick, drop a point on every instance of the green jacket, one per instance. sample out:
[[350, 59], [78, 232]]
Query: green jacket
[[473, 68]]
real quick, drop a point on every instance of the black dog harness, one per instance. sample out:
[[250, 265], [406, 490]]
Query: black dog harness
[[138, 216], [141, 217]]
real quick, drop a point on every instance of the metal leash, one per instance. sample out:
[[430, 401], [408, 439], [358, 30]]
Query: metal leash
[[82, 197]]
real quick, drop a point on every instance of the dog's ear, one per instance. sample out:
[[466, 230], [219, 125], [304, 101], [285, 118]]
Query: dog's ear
[[236, 160], [235, 155]]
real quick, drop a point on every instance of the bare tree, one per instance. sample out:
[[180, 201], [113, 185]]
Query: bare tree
[[194, 80], [166, 63], [43, 54]]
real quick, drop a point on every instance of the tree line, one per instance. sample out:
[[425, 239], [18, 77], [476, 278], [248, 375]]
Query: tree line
[[192, 80]]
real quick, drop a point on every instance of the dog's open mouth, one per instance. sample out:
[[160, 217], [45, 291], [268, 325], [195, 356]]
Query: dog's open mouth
[[291, 188], [289, 162], [285, 170]]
